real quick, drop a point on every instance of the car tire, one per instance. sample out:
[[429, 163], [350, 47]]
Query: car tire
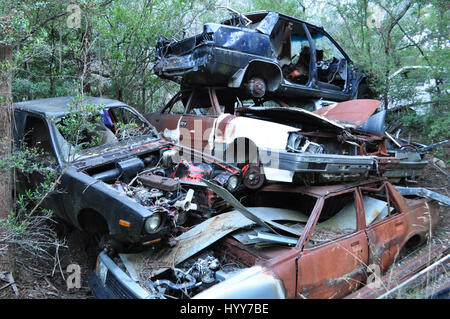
[[256, 87]]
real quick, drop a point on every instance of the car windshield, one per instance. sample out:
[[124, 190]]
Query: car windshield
[[79, 135], [326, 49]]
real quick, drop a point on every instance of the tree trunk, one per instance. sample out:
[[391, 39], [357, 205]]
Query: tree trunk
[[5, 129]]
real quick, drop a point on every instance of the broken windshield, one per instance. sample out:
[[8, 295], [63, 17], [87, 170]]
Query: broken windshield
[[79, 134]]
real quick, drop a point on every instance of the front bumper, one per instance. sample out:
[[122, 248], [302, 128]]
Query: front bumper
[[282, 166], [325, 163], [116, 284], [340, 167]]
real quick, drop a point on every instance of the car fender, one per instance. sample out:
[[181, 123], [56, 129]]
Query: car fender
[[269, 71], [95, 195], [264, 134]]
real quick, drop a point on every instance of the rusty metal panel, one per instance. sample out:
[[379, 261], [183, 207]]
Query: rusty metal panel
[[399, 274], [332, 270], [164, 183], [354, 112], [202, 236], [188, 243]]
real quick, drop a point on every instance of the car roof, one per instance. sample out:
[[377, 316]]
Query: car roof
[[264, 12], [293, 19], [323, 190], [57, 106]]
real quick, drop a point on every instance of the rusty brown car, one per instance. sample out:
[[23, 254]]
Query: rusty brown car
[[280, 242]]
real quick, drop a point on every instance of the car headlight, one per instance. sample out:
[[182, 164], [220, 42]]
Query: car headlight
[[233, 183], [101, 271], [294, 142], [153, 223]]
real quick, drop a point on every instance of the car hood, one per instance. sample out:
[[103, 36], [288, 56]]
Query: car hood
[[349, 114], [352, 113], [107, 153]]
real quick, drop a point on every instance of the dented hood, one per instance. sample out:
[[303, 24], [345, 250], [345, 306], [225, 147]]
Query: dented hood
[[289, 116], [350, 113]]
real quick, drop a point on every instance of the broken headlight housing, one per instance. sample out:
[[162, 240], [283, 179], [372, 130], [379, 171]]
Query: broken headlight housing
[[300, 144], [153, 223]]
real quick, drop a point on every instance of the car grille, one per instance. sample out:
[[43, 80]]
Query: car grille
[[119, 290]]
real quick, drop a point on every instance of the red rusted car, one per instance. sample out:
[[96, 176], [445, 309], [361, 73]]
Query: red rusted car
[[286, 242]]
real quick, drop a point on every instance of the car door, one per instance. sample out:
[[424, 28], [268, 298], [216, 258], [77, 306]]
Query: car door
[[36, 136], [331, 64], [333, 262], [388, 230]]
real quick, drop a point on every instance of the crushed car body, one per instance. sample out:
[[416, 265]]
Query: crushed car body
[[238, 255], [134, 189], [263, 54], [341, 142]]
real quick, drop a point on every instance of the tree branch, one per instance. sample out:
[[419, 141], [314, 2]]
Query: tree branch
[[40, 25], [397, 22]]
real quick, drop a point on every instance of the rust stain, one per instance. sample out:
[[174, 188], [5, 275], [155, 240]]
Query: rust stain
[[354, 112]]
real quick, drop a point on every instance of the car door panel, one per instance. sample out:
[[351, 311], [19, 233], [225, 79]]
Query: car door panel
[[318, 274], [386, 236], [36, 135]]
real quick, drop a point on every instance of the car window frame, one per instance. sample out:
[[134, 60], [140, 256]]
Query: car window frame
[[359, 226], [49, 125], [168, 107], [389, 197]]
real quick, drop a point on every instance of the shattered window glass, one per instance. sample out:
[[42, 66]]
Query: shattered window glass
[[377, 205], [337, 218], [77, 133], [325, 49]]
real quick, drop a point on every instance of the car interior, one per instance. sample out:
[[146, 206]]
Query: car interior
[[294, 54]]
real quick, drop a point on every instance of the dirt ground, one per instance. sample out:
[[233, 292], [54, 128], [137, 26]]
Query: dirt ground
[[54, 286]]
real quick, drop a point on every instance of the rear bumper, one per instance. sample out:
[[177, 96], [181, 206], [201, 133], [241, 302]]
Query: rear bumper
[[342, 166], [207, 64]]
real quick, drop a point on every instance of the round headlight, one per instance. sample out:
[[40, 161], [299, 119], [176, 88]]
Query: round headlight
[[233, 183], [153, 223]]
